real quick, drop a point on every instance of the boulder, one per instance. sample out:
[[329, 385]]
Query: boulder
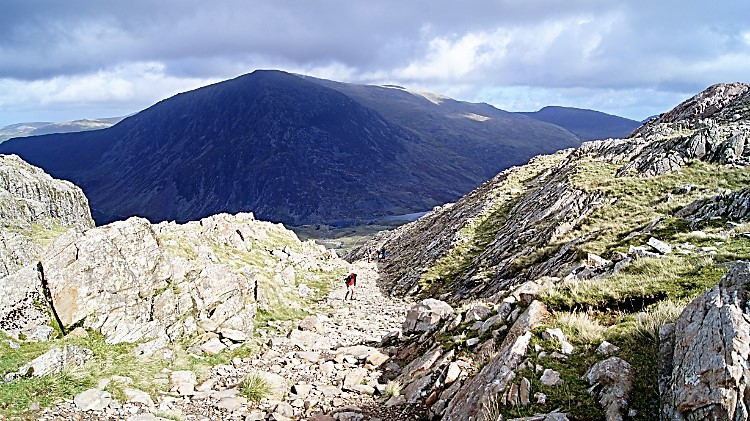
[[311, 323], [556, 334], [550, 377], [425, 316], [659, 245], [527, 292], [613, 381], [92, 400], [704, 358], [55, 360], [606, 348], [477, 312]]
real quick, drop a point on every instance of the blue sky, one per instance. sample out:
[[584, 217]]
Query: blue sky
[[62, 60]]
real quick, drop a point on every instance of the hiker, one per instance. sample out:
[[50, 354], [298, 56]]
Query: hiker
[[381, 253], [351, 282]]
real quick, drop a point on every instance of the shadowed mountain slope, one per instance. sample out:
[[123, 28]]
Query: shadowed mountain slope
[[586, 124], [287, 149]]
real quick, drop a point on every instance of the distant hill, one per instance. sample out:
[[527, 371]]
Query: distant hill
[[586, 124], [290, 149], [45, 127]]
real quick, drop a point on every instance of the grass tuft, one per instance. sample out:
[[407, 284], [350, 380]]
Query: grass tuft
[[255, 387], [392, 388], [580, 326], [648, 323]]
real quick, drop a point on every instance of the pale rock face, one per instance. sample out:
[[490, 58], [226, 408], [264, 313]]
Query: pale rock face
[[704, 358], [29, 194], [19, 295], [108, 272], [30, 201], [134, 281]]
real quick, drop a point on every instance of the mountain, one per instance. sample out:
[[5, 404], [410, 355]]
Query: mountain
[[607, 268], [39, 128], [586, 124], [290, 150]]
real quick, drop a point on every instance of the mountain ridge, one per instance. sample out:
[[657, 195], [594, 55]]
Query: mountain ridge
[[586, 124], [284, 147]]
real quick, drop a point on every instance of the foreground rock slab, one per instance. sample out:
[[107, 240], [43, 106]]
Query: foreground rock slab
[[704, 358]]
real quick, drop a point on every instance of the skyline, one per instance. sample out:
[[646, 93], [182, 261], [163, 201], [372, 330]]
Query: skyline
[[88, 59]]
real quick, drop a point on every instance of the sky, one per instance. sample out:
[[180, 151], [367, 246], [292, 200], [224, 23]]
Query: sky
[[72, 59]]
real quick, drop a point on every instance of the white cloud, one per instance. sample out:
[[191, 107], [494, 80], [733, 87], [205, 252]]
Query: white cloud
[[633, 55], [127, 88]]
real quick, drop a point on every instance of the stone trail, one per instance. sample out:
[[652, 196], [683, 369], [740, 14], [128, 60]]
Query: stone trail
[[327, 367]]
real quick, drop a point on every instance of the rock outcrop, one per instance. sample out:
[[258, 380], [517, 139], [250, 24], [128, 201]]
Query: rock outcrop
[[134, 281], [479, 392], [705, 355], [33, 207]]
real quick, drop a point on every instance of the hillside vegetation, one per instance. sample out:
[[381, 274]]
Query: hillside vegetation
[[615, 238]]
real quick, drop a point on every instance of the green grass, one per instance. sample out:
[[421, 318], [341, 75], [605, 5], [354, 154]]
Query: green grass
[[637, 285], [108, 360], [255, 388], [572, 395], [461, 257], [639, 201]]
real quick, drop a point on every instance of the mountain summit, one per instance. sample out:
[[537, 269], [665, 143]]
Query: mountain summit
[[290, 149]]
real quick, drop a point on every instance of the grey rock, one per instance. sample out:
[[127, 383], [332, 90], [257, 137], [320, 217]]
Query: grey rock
[[43, 333], [138, 396], [557, 335], [55, 360], [232, 404], [477, 312], [550, 377], [606, 348], [524, 391], [425, 316], [234, 335], [311, 323], [354, 377], [20, 294], [491, 323], [92, 400], [705, 374], [497, 374], [660, 246], [377, 359], [614, 381], [213, 346], [302, 390], [527, 292], [452, 373]]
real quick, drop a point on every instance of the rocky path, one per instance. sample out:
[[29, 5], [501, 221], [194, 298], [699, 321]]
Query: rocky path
[[329, 366]]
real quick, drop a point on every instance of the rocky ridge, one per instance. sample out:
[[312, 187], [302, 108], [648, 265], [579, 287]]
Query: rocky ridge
[[531, 221], [575, 231]]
